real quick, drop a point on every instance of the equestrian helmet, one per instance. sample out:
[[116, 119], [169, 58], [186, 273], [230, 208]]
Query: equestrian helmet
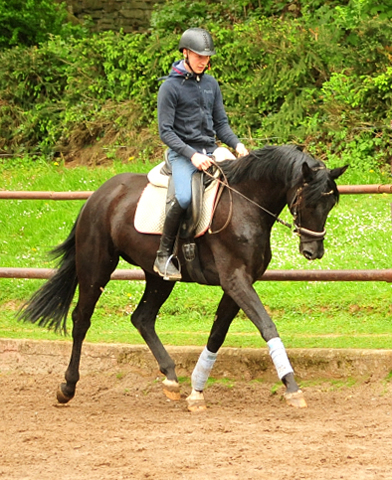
[[198, 40]]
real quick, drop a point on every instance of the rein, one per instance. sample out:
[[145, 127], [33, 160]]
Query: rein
[[298, 230]]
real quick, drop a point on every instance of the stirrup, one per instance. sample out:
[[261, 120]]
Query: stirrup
[[166, 276], [174, 276]]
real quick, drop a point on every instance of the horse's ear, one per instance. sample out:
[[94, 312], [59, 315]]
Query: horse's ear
[[307, 172], [336, 172]]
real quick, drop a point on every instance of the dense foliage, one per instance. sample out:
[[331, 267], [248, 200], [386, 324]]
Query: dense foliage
[[315, 73], [30, 22]]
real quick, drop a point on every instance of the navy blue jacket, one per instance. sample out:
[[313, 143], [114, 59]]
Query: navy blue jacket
[[191, 114]]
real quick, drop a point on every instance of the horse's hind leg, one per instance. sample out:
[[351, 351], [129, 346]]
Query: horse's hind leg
[[81, 322], [92, 280], [143, 318], [225, 314]]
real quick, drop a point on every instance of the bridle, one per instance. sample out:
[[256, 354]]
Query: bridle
[[306, 235]]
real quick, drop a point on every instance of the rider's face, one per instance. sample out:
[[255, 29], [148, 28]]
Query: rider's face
[[197, 62]]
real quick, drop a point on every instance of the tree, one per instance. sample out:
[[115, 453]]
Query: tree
[[29, 22]]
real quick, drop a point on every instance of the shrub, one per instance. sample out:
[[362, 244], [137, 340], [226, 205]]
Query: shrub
[[313, 73], [30, 22]]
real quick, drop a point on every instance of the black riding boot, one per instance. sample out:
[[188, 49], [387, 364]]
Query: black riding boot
[[163, 263]]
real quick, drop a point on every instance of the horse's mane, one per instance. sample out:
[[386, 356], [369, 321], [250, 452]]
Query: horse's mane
[[282, 165]]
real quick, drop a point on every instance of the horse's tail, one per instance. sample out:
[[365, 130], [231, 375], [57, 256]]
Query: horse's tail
[[50, 304]]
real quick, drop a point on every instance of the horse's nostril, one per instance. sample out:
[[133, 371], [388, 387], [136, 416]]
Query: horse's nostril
[[308, 255]]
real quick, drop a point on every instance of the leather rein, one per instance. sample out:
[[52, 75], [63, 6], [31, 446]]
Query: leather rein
[[293, 207]]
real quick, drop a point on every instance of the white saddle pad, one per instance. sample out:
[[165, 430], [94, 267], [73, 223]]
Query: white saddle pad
[[150, 210]]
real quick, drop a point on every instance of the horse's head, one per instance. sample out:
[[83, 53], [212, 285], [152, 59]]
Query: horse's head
[[310, 205]]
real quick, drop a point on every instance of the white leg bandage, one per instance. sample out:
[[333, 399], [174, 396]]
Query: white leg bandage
[[279, 357], [202, 369]]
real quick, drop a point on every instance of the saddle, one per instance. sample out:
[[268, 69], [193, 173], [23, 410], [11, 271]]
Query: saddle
[[197, 219]]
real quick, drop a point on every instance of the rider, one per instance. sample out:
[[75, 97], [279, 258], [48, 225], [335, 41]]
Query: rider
[[190, 116]]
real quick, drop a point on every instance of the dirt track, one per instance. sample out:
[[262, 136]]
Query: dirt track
[[120, 426]]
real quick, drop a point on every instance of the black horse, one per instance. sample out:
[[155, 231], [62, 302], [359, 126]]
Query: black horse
[[263, 182]]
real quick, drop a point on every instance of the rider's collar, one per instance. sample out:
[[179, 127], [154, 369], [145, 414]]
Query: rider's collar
[[181, 69]]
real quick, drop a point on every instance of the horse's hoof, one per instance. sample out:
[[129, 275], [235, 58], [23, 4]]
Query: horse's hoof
[[61, 397], [296, 399], [171, 389], [197, 406], [196, 402]]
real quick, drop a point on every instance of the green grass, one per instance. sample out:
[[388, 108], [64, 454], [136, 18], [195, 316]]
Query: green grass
[[307, 314]]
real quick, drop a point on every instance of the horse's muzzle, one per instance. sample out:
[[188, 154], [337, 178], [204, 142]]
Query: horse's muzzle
[[311, 249], [312, 243]]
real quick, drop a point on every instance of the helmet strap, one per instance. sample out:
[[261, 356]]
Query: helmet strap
[[197, 75]]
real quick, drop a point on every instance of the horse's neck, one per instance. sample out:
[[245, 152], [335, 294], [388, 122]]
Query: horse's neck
[[272, 194], [267, 197]]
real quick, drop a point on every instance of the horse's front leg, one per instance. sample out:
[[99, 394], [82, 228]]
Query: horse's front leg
[[240, 288], [225, 314]]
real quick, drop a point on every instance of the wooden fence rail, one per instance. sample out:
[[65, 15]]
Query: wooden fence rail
[[384, 275], [15, 195]]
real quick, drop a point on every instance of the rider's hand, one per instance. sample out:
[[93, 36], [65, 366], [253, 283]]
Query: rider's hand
[[241, 150], [201, 161]]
